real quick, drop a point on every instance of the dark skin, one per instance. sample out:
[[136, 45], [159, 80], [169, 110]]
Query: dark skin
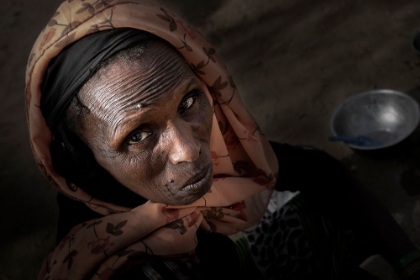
[[148, 123]]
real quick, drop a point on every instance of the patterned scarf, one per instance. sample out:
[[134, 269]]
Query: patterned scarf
[[244, 165]]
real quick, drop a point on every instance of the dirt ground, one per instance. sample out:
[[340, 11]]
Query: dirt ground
[[293, 62]]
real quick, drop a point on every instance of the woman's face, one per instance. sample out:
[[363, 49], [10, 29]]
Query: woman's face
[[148, 122]]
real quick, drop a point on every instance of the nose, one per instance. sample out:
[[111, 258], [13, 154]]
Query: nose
[[184, 147]]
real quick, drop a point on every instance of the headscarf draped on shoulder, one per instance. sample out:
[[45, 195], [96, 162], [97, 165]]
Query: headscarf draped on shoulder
[[244, 165]]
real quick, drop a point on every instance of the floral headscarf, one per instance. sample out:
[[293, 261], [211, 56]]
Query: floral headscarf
[[237, 199]]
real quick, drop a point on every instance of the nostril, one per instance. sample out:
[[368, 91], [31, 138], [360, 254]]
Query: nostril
[[183, 145]]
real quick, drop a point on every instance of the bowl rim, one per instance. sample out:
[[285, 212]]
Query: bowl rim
[[377, 91]]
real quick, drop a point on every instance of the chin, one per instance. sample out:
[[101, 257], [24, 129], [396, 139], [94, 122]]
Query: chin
[[191, 189], [188, 195]]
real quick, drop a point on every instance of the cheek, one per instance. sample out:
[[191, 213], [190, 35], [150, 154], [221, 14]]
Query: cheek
[[208, 109], [205, 120], [129, 169]]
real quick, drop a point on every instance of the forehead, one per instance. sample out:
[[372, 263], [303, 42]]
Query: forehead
[[159, 69], [149, 80]]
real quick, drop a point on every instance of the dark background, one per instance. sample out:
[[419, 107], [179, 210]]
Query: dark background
[[293, 61]]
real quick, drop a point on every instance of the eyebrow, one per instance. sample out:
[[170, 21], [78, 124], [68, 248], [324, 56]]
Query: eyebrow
[[131, 120]]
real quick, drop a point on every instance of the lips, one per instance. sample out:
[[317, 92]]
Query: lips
[[198, 181]]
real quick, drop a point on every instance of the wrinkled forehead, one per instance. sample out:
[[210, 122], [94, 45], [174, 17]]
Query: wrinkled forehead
[[144, 80], [156, 58]]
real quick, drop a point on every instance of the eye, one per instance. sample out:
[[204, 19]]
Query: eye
[[138, 136], [187, 103]]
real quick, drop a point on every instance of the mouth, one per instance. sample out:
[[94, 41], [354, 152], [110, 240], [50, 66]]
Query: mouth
[[199, 182]]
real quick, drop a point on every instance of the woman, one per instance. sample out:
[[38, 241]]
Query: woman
[[164, 173]]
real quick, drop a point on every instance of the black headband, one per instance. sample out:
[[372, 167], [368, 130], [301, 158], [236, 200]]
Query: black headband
[[72, 68]]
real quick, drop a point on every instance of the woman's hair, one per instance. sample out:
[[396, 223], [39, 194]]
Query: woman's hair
[[74, 160]]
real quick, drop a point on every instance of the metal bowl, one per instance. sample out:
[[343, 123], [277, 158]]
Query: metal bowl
[[385, 116]]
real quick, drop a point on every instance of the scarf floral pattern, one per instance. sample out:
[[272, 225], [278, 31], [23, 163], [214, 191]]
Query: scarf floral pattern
[[244, 165]]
